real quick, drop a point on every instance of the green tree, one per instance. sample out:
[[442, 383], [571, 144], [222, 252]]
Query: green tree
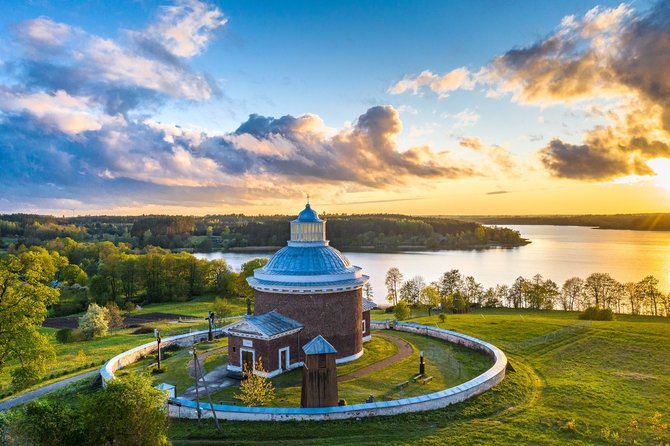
[[410, 291], [243, 288], [392, 281], [221, 278], [402, 311], [99, 289], [24, 296], [49, 422], [449, 283], [95, 322], [129, 412], [71, 274], [429, 296], [255, 390]]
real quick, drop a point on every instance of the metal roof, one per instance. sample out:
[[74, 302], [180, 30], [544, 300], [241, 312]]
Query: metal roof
[[271, 323], [308, 215], [369, 304], [318, 346], [307, 260]]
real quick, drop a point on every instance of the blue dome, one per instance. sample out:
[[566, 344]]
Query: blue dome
[[308, 260], [308, 214]]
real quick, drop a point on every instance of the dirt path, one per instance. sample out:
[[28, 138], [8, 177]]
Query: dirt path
[[404, 350]]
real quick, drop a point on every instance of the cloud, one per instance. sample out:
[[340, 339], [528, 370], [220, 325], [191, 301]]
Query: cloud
[[76, 127], [613, 57], [141, 68], [60, 111], [185, 29], [496, 155], [457, 79]]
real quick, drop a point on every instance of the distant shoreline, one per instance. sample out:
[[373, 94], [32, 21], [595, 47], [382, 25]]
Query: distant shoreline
[[399, 249], [631, 222]]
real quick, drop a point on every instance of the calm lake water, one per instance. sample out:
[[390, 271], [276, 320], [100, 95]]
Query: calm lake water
[[556, 252]]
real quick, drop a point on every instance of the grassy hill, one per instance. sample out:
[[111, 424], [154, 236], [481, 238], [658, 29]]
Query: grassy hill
[[574, 382]]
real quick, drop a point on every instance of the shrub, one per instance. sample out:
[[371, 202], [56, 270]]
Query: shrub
[[130, 306], [115, 316], [157, 371], [222, 308], [143, 330], [402, 311], [597, 314], [95, 322], [442, 317], [390, 309], [64, 335]]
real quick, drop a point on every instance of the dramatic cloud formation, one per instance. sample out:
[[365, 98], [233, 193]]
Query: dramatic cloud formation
[[75, 131], [610, 55]]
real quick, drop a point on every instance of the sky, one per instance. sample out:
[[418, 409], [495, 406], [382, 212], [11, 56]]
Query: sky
[[416, 107]]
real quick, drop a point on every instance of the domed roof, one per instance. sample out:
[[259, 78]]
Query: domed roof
[[308, 260], [308, 214], [308, 264]]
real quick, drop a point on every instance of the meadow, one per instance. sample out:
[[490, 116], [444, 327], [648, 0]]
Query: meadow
[[570, 382], [80, 356]]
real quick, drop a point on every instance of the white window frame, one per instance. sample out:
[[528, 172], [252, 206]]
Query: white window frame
[[364, 326]]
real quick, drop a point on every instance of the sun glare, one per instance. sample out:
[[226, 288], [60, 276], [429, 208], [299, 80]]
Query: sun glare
[[662, 168]]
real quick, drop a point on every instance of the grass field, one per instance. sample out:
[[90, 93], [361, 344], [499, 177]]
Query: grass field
[[75, 357], [573, 382], [448, 364]]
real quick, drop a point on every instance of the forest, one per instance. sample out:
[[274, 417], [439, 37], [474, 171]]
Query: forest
[[635, 222], [379, 233]]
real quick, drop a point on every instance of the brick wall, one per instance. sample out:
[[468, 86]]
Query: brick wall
[[335, 316]]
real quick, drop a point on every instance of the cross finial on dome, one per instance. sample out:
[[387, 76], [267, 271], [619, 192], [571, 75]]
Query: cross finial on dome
[[308, 198]]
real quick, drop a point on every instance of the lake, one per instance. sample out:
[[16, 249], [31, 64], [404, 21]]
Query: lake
[[556, 252]]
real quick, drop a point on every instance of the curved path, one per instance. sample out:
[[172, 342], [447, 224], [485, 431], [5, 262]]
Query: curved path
[[17, 400], [201, 360], [404, 350]]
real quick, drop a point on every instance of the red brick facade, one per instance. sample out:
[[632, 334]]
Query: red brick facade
[[335, 316], [366, 319], [267, 350]]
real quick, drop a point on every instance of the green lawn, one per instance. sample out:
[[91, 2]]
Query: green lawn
[[573, 382], [448, 364], [75, 357]]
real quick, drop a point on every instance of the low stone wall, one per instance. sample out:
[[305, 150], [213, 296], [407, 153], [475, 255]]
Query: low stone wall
[[188, 409], [129, 356]]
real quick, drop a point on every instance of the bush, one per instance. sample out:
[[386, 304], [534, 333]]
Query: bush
[[157, 371], [402, 311], [596, 314], [222, 308], [115, 316], [390, 309], [143, 330], [95, 322], [130, 306], [64, 335], [442, 317]]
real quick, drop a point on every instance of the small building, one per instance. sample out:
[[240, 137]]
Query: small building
[[271, 337], [319, 374], [368, 304]]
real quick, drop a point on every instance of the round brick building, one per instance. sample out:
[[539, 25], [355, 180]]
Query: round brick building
[[313, 283]]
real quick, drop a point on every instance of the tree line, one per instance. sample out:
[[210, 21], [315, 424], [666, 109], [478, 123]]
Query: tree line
[[378, 232], [455, 292]]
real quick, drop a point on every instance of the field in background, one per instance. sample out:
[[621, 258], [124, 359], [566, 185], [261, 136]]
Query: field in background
[[574, 382]]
